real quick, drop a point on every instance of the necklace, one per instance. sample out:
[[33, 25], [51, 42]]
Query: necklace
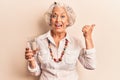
[[51, 53]]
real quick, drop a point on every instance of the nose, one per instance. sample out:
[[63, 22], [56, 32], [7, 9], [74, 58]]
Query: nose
[[58, 19]]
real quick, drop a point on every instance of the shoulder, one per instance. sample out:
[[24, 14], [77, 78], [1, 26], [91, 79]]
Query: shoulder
[[43, 36], [41, 40]]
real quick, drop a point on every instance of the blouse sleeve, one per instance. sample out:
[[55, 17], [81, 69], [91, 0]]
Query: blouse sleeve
[[87, 58]]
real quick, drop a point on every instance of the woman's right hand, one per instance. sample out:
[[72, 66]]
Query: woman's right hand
[[29, 54]]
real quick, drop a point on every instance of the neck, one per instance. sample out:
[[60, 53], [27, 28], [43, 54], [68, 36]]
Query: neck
[[58, 35]]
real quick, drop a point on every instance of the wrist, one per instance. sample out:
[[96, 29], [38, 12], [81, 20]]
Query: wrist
[[88, 38], [32, 63], [31, 60], [89, 43]]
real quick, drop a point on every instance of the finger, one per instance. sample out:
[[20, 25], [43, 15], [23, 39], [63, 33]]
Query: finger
[[84, 29], [26, 48], [29, 54], [92, 26], [28, 51], [31, 59], [28, 57]]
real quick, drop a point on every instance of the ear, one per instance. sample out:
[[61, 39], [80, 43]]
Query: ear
[[50, 22]]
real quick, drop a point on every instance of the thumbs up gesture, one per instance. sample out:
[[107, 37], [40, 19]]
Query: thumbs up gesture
[[87, 30]]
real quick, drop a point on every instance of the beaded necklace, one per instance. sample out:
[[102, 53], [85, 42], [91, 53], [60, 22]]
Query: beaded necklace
[[51, 53]]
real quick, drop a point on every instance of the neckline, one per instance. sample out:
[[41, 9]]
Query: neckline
[[62, 54]]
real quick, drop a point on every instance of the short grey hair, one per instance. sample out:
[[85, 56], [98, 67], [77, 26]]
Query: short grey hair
[[69, 11]]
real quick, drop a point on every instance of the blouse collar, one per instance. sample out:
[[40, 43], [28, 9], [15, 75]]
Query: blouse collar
[[49, 36]]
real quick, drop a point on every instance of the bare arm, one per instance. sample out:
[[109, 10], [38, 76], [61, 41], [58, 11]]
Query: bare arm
[[87, 56], [87, 32]]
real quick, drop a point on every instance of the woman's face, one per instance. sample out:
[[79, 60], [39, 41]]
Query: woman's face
[[59, 19]]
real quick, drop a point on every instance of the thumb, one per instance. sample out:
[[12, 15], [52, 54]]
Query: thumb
[[92, 26]]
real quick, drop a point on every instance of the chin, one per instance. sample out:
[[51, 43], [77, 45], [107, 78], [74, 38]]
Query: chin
[[59, 31]]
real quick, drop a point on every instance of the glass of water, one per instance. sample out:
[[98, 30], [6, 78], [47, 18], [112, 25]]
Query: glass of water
[[32, 45]]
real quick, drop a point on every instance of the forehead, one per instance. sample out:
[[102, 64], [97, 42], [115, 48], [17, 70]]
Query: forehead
[[59, 10]]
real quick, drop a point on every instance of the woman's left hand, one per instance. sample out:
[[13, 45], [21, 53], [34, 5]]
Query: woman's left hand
[[87, 30]]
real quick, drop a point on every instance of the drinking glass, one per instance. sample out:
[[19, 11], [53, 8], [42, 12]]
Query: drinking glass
[[32, 45]]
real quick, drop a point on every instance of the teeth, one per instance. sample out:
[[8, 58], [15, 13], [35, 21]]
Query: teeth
[[58, 25]]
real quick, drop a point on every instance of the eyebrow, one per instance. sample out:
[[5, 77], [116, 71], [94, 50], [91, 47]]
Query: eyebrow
[[61, 13]]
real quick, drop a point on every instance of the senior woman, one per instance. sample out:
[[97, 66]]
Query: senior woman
[[59, 51]]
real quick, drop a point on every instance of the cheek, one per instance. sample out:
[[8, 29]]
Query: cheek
[[52, 21], [66, 22]]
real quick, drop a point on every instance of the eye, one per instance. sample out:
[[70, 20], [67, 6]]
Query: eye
[[62, 16], [54, 16]]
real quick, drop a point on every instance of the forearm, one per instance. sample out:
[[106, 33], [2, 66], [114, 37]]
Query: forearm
[[32, 64], [33, 67], [87, 32], [87, 56], [89, 43]]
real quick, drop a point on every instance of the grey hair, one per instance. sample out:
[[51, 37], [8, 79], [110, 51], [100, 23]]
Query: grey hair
[[69, 11]]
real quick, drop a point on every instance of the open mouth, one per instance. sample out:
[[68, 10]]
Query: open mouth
[[58, 25]]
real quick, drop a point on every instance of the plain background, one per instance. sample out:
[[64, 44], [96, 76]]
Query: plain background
[[21, 20]]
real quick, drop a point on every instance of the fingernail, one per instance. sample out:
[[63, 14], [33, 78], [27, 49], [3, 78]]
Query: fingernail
[[27, 48]]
